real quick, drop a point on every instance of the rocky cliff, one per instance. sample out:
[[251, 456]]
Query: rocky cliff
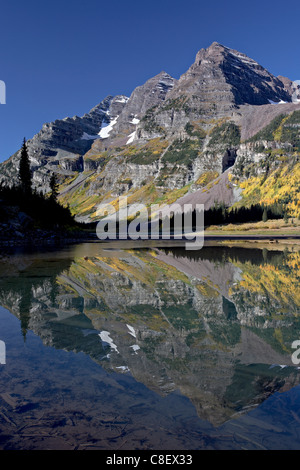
[[170, 138]]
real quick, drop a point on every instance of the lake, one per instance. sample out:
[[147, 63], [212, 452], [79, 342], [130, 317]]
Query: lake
[[127, 346]]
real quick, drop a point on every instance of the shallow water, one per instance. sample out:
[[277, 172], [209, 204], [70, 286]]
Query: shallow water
[[117, 346]]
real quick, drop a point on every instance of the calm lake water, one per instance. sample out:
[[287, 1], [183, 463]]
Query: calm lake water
[[110, 346]]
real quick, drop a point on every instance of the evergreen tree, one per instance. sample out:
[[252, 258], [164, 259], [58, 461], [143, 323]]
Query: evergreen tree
[[24, 170], [54, 187], [265, 215]]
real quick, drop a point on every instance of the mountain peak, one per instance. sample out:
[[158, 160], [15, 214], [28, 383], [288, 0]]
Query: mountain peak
[[219, 51], [216, 44], [227, 77], [163, 74]]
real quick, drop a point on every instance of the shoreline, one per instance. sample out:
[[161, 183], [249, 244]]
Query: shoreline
[[53, 241]]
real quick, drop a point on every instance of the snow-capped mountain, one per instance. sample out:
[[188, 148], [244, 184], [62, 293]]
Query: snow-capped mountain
[[167, 134]]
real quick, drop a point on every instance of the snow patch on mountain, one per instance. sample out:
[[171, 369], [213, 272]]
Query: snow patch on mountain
[[105, 337], [131, 330], [135, 348], [123, 99], [106, 130], [278, 102], [86, 136], [131, 138]]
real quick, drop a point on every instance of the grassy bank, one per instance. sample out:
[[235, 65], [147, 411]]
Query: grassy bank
[[279, 227]]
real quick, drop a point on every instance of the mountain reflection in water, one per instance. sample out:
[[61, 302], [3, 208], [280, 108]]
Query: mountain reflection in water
[[216, 325]]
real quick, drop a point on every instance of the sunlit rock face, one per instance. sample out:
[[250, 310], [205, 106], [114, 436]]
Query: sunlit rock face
[[167, 136]]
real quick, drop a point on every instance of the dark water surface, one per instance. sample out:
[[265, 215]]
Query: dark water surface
[[156, 348]]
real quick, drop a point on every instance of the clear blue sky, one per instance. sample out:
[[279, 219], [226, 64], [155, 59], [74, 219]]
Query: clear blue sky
[[61, 58]]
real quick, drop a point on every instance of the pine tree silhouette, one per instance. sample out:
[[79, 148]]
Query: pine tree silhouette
[[265, 215], [54, 187], [24, 170]]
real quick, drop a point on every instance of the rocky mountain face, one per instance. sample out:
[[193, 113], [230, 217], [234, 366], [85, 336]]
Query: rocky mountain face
[[152, 93], [170, 138], [220, 80], [60, 145]]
